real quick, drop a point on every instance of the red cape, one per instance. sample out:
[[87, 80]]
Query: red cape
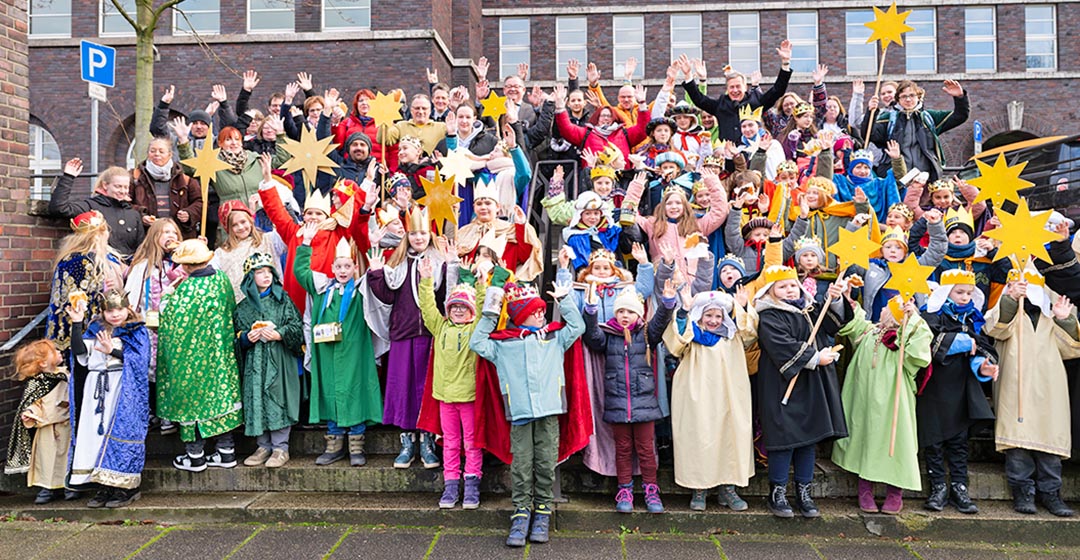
[[492, 428]]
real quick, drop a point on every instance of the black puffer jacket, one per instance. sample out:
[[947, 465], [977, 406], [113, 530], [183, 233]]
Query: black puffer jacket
[[126, 230], [630, 392]]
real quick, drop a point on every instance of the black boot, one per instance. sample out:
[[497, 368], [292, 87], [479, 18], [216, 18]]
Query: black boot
[[958, 496], [46, 495], [1023, 499], [804, 502], [939, 493], [777, 502], [1054, 504]]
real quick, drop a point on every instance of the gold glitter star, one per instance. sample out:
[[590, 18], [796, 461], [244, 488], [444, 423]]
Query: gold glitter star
[[385, 109], [909, 277], [888, 26], [1022, 234], [310, 156], [854, 247], [999, 182], [206, 162], [494, 106], [456, 164], [440, 200]]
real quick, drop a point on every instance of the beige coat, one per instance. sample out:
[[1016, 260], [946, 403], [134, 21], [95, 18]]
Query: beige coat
[[1045, 388], [711, 419], [48, 455]]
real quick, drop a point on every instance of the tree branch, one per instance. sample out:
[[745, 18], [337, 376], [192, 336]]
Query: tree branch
[[134, 24], [164, 6]]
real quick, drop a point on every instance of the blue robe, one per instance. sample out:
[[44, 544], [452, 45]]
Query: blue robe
[[881, 192]]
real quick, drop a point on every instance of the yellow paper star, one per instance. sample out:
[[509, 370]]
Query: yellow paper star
[[384, 109], [1023, 234], [909, 277], [999, 182], [206, 162], [854, 247], [888, 26], [439, 200], [310, 156], [456, 164], [494, 106]]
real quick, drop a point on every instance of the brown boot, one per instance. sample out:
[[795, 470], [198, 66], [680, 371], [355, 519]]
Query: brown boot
[[356, 451]]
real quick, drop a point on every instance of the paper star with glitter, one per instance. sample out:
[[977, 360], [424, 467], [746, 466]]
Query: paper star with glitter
[[494, 106], [1023, 234], [999, 182], [385, 109], [854, 247], [440, 200], [888, 26], [206, 162], [456, 164], [909, 277], [309, 155]]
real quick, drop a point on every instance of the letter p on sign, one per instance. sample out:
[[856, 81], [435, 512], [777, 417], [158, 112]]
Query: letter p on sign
[[98, 63]]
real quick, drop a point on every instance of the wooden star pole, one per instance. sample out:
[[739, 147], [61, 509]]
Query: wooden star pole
[[888, 27], [899, 380]]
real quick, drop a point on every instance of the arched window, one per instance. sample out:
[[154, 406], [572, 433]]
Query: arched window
[[45, 162]]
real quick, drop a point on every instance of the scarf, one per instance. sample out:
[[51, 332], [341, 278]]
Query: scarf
[[797, 303], [160, 172], [237, 160], [964, 312], [709, 338], [606, 130], [960, 251], [810, 285]]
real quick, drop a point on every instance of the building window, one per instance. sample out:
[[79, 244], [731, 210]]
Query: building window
[[197, 16], [628, 40], [803, 33], [744, 42], [346, 14], [921, 44], [980, 41], [686, 35], [571, 41], [44, 162], [1040, 32], [514, 41], [861, 57], [50, 18], [269, 16], [113, 22]]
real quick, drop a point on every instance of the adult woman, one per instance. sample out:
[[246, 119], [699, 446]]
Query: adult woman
[[605, 126], [358, 121], [917, 129], [158, 174], [84, 263]]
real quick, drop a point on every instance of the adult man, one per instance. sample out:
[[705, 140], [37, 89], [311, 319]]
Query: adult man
[[199, 119], [419, 126], [111, 197]]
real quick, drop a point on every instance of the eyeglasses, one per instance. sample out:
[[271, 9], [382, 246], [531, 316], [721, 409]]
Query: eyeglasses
[[909, 96]]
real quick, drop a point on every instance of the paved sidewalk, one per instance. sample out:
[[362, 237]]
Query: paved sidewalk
[[63, 541]]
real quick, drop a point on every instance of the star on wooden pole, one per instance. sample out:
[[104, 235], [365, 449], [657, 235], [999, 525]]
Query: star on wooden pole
[[440, 200], [1023, 235], [206, 162], [854, 247], [385, 109], [309, 155], [999, 182], [909, 277], [456, 164], [494, 106], [888, 26]]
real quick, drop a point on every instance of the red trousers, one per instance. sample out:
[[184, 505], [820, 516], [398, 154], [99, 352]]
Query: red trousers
[[640, 436]]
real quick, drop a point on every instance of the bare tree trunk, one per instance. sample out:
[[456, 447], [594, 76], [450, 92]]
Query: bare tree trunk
[[144, 76]]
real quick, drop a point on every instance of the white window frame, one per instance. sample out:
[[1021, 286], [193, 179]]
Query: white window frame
[[912, 39], [858, 41], [560, 49], [688, 41], [128, 30], [179, 20], [510, 69], [617, 46], [755, 44], [49, 15], [291, 9], [326, 7], [991, 39], [803, 43], [1052, 38], [39, 189]]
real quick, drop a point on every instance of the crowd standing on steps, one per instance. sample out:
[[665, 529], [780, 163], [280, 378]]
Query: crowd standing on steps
[[699, 316]]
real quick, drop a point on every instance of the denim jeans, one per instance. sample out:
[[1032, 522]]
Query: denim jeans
[[781, 461], [333, 429]]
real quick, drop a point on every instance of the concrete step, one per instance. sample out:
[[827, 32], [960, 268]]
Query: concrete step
[[995, 524]]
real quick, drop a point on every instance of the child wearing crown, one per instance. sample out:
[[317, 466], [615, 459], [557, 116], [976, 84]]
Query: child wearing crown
[[522, 250], [881, 192], [868, 394], [823, 216], [529, 360], [110, 402], [590, 226], [942, 197], [85, 267], [950, 401], [345, 391], [562, 211], [269, 339], [1030, 427], [975, 255]]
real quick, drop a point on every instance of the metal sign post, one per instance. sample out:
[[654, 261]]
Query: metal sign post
[[98, 66]]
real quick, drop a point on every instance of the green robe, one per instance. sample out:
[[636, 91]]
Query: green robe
[[344, 382], [868, 404], [271, 387], [198, 385]]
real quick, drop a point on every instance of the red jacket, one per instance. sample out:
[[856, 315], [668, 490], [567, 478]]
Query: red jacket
[[352, 124], [584, 137]]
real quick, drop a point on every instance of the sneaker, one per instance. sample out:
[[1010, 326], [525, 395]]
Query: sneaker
[[1054, 504], [186, 462], [958, 496], [519, 526], [697, 500], [45, 496], [257, 458], [624, 498], [472, 492], [652, 499], [222, 459], [541, 525], [428, 456], [101, 497], [123, 498], [777, 502], [277, 459], [407, 454], [939, 494], [805, 502], [167, 427], [730, 498], [449, 494], [1024, 500]]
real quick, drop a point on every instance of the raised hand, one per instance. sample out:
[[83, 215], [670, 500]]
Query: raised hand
[[265, 162], [860, 196], [375, 259], [483, 88], [819, 74], [291, 89], [784, 51], [432, 76], [700, 72], [167, 97], [932, 215], [755, 78], [592, 74], [629, 66], [277, 123], [303, 79], [592, 99], [1063, 308], [669, 289], [425, 268], [251, 79], [218, 93], [572, 68], [857, 86], [536, 96], [566, 254], [742, 295], [181, 129], [73, 167], [558, 95], [76, 313], [104, 342], [482, 67], [892, 149], [523, 70], [509, 138], [952, 87], [639, 93], [308, 230], [559, 290], [667, 252], [637, 250], [588, 155]]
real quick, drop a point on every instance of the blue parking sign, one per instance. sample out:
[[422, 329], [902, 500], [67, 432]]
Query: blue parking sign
[[98, 63], [977, 129]]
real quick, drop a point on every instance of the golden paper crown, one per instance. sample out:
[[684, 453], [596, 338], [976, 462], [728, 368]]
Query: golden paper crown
[[896, 307], [959, 216], [384, 216], [748, 114], [825, 185], [777, 273], [418, 220], [520, 292], [115, 299], [1029, 276], [957, 277], [414, 141], [318, 201], [902, 208], [941, 185], [608, 155], [806, 243], [787, 166], [602, 171], [802, 109], [894, 233]]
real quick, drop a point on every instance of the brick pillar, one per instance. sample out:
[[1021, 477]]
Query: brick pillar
[[27, 244]]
